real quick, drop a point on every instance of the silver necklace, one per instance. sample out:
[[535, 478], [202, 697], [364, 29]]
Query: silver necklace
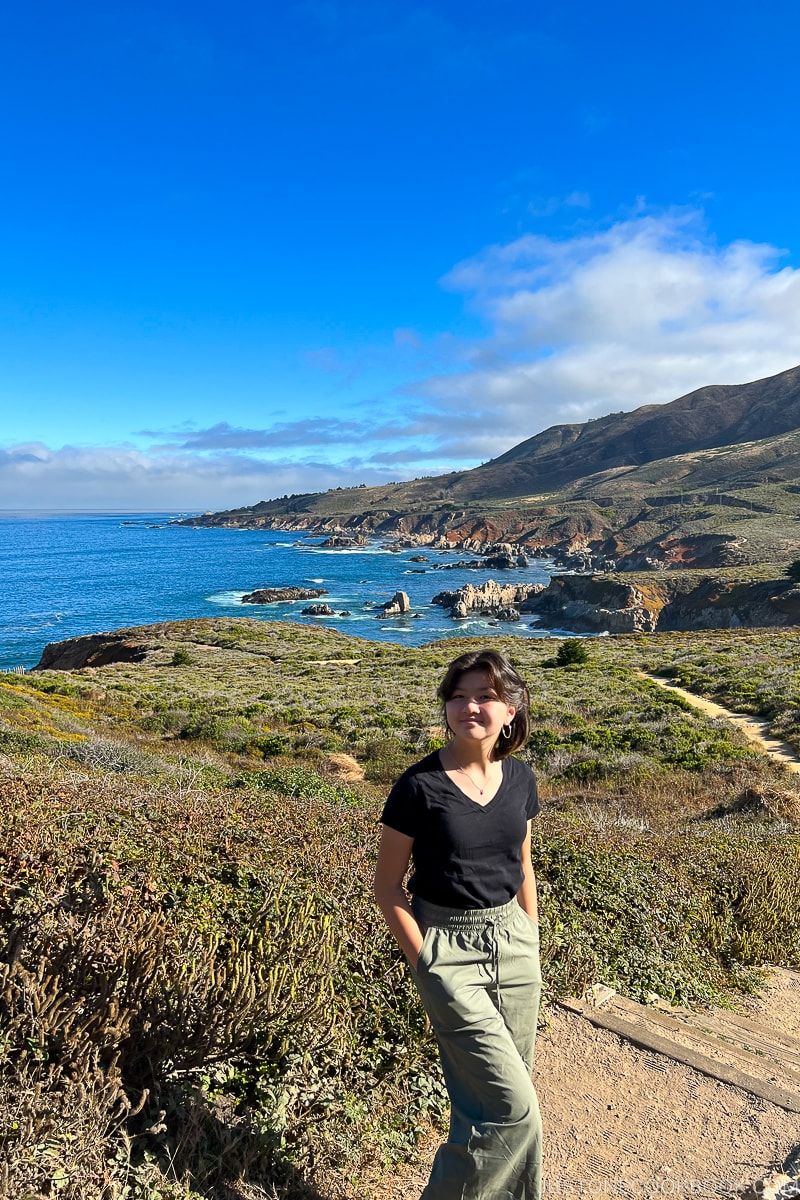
[[469, 777]]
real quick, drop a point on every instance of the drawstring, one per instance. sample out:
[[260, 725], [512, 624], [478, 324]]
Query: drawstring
[[485, 924], [494, 957]]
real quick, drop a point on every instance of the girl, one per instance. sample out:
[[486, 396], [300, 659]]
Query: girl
[[462, 817]]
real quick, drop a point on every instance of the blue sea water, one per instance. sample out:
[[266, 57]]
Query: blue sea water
[[64, 574]]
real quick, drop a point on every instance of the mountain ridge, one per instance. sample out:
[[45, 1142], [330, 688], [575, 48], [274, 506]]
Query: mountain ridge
[[707, 418], [620, 487]]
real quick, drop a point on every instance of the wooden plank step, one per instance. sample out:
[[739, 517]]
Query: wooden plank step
[[785, 1040], [648, 1040], [771, 1056]]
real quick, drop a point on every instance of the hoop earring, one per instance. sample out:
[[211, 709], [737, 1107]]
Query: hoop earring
[[503, 733]]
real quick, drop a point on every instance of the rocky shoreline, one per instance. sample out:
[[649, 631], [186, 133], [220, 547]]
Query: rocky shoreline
[[574, 542], [591, 598], [604, 604], [580, 604]]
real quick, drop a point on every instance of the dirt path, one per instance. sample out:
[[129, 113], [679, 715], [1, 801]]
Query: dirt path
[[622, 1121], [754, 730]]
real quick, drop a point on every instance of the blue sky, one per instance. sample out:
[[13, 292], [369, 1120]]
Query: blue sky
[[263, 248]]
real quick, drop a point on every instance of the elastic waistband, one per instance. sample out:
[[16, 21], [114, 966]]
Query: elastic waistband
[[462, 918]]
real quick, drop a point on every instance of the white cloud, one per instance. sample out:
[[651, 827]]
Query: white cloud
[[639, 313], [38, 476]]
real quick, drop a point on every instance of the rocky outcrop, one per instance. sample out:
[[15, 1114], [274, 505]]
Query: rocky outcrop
[[488, 599], [338, 542], [672, 602], [594, 605], [98, 650], [396, 607], [728, 604], [608, 604], [318, 610], [282, 594], [495, 562], [701, 551], [498, 556]]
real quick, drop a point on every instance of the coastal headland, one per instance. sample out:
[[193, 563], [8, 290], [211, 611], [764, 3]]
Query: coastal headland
[[675, 516]]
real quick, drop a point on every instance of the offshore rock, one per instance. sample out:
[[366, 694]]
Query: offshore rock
[[338, 542], [395, 607], [317, 610], [489, 597], [508, 614], [494, 562], [275, 595], [463, 564]]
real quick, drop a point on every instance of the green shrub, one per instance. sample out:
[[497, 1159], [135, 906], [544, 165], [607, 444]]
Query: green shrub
[[121, 999], [385, 758], [617, 915], [571, 653], [639, 888], [298, 782], [270, 744]]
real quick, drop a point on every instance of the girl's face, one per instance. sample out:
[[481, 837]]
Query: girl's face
[[475, 712]]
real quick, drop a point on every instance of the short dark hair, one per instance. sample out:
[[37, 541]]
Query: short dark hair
[[508, 685]]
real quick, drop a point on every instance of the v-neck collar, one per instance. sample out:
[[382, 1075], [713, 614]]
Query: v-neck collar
[[463, 795]]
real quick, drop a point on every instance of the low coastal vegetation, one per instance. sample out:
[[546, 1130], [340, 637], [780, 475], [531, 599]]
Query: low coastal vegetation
[[198, 998]]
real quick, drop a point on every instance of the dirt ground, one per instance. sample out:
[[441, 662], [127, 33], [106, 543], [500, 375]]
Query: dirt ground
[[620, 1121]]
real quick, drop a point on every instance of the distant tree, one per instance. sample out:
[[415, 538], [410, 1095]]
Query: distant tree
[[572, 652], [793, 570]]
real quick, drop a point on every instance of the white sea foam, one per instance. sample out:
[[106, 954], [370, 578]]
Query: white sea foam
[[341, 552], [227, 598]]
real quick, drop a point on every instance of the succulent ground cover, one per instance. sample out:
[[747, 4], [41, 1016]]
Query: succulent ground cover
[[198, 997]]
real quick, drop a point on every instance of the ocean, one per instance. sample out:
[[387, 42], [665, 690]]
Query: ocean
[[65, 574]]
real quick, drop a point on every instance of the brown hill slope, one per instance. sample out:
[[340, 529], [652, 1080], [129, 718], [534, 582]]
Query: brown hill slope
[[616, 449], [707, 418], [722, 463]]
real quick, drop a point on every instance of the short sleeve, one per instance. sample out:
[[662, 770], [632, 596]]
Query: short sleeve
[[525, 780], [401, 810], [532, 802]]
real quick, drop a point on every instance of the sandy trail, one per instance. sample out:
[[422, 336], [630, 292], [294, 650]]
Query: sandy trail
[[754, 730]]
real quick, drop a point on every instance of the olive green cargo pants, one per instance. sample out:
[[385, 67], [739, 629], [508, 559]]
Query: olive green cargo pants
[[480, 982]]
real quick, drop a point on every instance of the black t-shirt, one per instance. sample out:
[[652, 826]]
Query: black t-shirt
[[465, 855]]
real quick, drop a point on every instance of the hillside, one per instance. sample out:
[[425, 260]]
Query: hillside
[[706, 419], [707, 480]]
